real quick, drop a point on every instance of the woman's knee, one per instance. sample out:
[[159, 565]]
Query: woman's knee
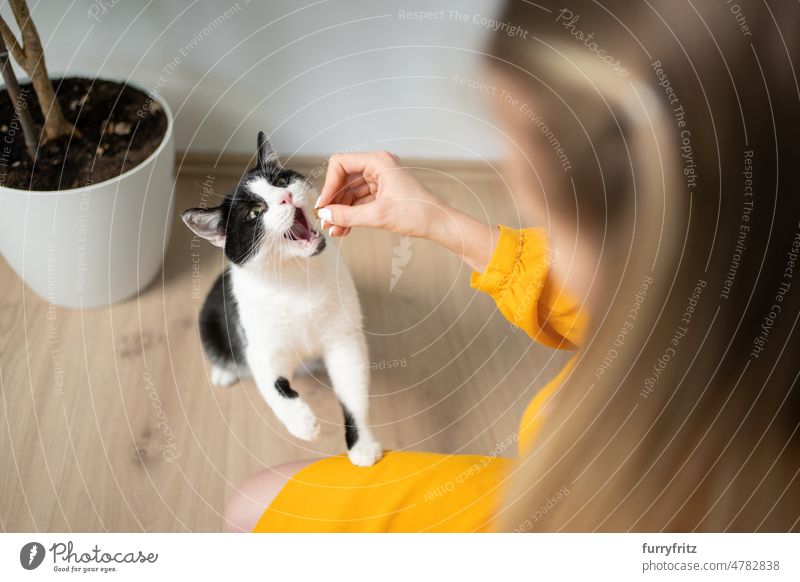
[[252, 497]]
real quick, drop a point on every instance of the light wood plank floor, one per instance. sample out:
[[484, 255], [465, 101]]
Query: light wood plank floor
[[138, 439]]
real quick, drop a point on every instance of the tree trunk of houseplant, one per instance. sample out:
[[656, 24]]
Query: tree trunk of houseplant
[[20, 103], [29, 55]]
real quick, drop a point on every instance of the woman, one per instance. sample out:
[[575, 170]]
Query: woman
[[655, 140]]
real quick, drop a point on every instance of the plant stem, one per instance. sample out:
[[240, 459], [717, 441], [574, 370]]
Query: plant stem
[[29, 55], [20, 105]]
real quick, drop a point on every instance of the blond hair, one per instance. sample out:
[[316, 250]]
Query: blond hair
[[681, 125]]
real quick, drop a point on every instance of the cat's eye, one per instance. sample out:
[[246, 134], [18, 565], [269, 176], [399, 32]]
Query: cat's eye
[[255, 212], [282, 182]]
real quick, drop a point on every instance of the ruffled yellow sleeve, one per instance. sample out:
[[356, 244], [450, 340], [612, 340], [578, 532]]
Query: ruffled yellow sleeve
[[518, 279]]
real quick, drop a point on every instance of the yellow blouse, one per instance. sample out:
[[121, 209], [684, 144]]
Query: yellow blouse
[[429, 492]]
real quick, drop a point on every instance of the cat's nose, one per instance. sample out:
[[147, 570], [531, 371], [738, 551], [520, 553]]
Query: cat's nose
[[285, 197]]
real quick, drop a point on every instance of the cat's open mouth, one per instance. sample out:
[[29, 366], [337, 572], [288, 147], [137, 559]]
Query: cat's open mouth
[[300, 230]]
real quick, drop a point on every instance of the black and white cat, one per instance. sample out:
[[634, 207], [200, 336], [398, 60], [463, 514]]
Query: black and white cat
[[282, 302]]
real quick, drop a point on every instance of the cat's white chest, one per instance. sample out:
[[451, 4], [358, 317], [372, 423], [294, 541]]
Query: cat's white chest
[[286, 316]]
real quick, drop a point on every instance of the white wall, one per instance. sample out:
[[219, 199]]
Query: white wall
[[319, 76]]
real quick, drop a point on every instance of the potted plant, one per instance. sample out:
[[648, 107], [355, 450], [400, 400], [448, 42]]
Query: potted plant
[[86, 178]]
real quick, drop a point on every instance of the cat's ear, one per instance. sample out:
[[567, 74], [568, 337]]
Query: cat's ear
[[266, 154], [207, 223]]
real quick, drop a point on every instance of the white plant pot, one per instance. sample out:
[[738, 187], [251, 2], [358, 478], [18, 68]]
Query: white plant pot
[[97, 245]]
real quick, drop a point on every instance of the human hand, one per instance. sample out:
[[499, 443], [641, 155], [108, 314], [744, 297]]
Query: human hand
[[373, 189]]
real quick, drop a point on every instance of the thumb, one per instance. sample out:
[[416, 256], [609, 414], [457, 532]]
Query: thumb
[[344, 215]]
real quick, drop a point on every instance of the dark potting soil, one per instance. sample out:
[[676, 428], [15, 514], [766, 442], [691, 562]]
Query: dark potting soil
[[119, 128]]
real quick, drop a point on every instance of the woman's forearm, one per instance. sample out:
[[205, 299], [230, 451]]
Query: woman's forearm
[[474, 241]]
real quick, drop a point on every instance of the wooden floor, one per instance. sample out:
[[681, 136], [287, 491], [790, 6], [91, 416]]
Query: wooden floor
[[138, 440]]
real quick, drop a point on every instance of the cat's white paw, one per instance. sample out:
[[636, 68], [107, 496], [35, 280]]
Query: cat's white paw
[[365, 453], [302, 423], [223, 376]]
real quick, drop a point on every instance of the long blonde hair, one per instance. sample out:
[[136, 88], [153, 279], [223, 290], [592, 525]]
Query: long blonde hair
[[681, 122]]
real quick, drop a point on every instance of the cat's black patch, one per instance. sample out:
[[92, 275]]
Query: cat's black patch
[[350, 428], [284, 389], [221, 331], [242, 236]]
